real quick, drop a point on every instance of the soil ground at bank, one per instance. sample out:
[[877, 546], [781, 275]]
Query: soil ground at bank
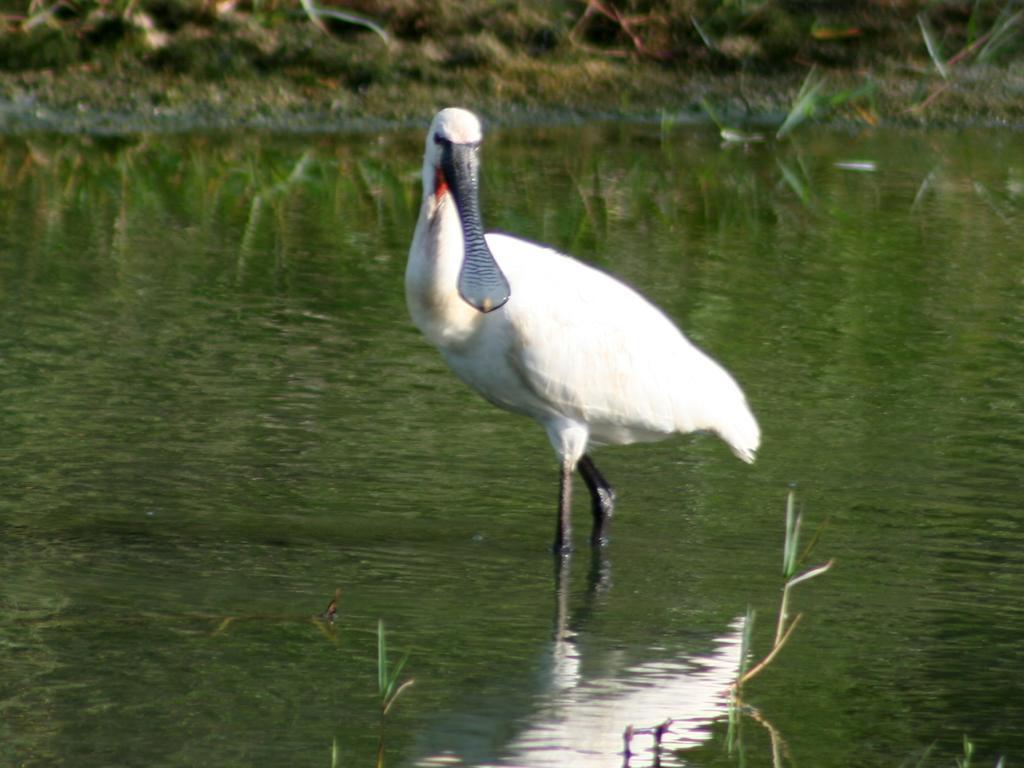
[[167, 65]]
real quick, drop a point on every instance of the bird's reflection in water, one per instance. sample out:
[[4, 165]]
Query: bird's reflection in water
[[578, 719]]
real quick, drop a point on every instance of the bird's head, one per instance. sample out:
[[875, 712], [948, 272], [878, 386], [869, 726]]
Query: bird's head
[[451, 166]]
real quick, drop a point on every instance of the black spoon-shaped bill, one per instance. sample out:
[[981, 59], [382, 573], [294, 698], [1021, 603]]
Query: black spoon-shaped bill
[[482, 284]]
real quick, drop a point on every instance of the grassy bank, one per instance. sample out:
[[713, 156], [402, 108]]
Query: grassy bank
[[127, 64]]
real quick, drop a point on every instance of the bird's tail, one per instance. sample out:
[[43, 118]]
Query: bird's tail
[[741, 431], [726, 413]]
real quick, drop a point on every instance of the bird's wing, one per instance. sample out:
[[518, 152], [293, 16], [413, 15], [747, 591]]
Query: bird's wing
[[588, 344], [597, 351]]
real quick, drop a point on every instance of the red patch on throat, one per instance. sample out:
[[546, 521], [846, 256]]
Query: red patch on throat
[[440, 184]]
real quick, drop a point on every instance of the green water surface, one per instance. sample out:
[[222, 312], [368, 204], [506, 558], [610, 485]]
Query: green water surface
[[214, 412]]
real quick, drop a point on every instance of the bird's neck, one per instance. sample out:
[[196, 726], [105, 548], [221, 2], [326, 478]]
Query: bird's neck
[[431, 276]]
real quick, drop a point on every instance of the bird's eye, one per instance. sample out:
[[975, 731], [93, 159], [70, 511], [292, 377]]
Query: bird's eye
[[439, 139]]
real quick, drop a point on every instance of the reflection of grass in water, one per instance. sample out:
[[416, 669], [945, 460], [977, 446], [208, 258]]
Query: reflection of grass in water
[[250, 190], [961, 762], [965, 761]]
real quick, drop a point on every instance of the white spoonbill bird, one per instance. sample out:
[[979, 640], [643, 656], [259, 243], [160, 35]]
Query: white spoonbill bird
[[539, 333]]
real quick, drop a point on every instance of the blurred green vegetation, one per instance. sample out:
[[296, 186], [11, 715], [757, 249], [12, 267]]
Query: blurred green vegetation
[[397, 58]]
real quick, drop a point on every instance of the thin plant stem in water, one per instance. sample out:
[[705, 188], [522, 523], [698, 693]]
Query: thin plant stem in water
[[792, 559], [791, 562], [387, 684], [387, 678]]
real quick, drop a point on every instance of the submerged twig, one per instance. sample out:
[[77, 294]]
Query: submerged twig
[[657, 731], [331, 611]]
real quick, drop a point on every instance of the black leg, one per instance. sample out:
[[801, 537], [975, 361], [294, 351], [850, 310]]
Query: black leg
[[563, 529], [602, 499]]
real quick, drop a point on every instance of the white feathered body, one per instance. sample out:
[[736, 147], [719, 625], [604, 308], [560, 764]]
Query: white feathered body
[[574, 348]]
